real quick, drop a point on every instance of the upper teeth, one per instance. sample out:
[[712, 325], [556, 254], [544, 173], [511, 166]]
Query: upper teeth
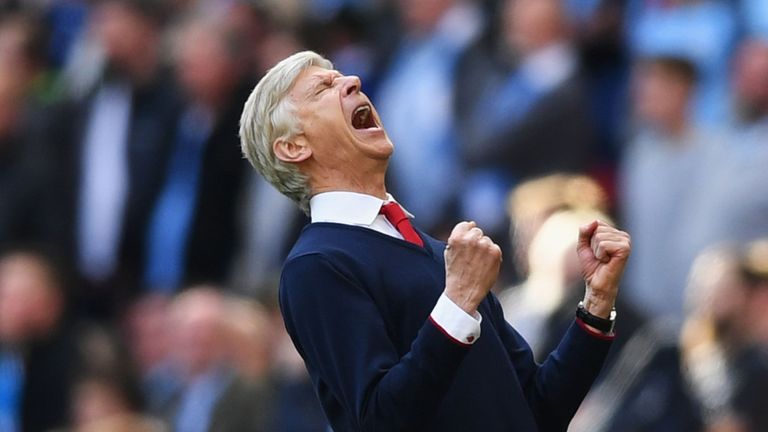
[[363, 112]]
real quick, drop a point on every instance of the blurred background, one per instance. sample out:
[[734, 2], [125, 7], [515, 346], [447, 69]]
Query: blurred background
[[140, 254]]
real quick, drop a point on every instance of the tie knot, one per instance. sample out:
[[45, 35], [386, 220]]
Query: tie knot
[[393, 212], [397, 217]]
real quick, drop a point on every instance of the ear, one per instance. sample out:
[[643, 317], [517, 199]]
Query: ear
[[292, 150]]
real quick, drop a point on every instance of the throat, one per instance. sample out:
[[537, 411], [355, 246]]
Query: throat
[[363, 175], [369, 185]]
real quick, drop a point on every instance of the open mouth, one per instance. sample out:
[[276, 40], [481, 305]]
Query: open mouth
[[362, 118]]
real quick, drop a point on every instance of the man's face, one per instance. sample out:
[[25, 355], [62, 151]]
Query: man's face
[[123, 33], [338, 121], [532, 24], [29, 302], [659, 95], [203, 67]]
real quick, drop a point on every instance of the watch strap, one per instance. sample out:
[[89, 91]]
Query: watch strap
[[605, 325]]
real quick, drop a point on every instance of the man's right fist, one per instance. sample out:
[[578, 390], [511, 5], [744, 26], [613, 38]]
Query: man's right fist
[[472, 262]]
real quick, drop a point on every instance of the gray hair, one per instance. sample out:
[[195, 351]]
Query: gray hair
[[269, 115]]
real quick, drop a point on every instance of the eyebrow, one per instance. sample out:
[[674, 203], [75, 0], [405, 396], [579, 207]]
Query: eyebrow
[[319, 80]]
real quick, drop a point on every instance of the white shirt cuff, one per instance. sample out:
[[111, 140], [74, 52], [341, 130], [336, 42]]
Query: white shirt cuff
[[454, 322]]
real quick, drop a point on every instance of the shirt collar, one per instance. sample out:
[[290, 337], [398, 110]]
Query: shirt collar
[[349, 208]]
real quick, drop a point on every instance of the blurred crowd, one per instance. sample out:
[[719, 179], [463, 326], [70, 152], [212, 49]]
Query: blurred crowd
[[139, 254]]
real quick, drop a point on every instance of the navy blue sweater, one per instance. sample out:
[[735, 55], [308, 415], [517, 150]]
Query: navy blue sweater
[[357, 303]]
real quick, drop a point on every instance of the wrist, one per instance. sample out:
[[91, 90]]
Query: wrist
[[463, 301], [599, 304]]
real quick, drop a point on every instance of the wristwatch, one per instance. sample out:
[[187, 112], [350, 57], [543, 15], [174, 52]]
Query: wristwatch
[[602, 324]]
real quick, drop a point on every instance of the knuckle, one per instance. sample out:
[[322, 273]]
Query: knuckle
[[461, 227]]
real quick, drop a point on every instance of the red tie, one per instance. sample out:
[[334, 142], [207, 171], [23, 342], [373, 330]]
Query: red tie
[[396, 216]]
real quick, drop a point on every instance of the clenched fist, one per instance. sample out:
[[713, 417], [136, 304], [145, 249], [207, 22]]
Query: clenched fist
[[472, 262], [603, 252]]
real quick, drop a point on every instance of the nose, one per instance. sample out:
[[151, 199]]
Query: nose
[[351, 85]]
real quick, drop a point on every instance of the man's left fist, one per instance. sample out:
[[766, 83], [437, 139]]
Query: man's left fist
[[603, 252]]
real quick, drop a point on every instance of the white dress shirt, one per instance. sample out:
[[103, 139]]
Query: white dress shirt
[[351, 208], [104, 183]]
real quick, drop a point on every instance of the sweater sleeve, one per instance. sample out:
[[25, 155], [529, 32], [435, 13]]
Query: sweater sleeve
[[343, 339], [556, 388]]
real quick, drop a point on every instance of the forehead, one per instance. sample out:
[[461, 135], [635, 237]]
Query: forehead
[[309, 78]]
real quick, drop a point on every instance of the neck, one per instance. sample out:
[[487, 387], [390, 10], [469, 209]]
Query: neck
[[369, 183], [676, 127], [141, 69]]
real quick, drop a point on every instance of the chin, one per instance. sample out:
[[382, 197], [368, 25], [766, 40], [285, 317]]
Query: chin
[[379, 147]]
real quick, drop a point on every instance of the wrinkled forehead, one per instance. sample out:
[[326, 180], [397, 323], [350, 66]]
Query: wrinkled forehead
[[309, 80]]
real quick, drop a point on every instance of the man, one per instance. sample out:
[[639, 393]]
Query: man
[[730, 180], [524, 113], [397, 329], [105, 158], [39, 356], [214, 397], [191, 230], [660, 171], [415, 98]]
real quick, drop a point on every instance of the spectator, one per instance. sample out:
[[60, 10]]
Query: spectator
[[213, 397], [105, 156], [526, 115], [149, 340], [293, 386], [22, 47], [745, 339], [191, 235], [723, 340], [38, 359], [248, 329], [415, 104], [252, 337], [250, 23], [110, 149], [11, 148], [598, 29], [660, 171], [21, 100], [103, 402], [732, 182]]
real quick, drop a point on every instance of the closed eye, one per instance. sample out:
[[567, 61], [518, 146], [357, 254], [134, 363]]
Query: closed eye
[[324, 85]]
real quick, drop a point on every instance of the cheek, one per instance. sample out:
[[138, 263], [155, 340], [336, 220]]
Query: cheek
[[324, 123]]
